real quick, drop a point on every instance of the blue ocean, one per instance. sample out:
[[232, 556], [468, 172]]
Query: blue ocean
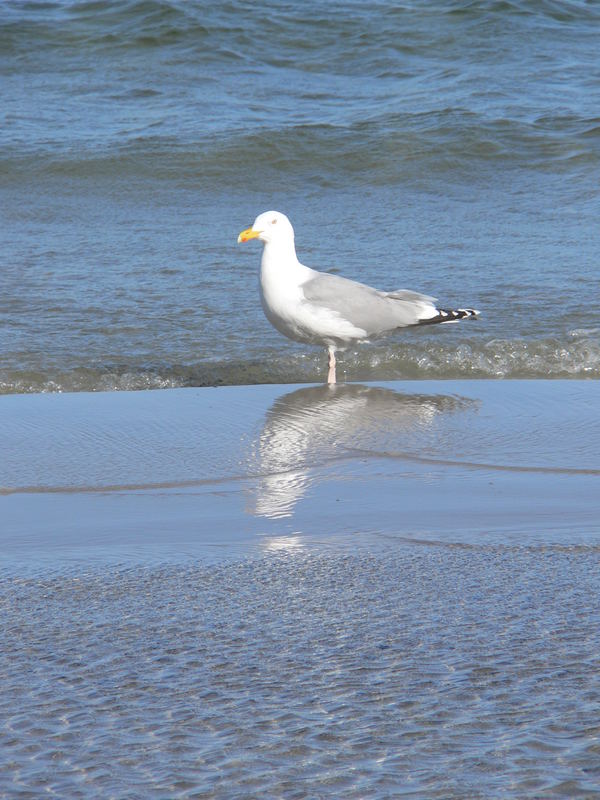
[[449, 147]]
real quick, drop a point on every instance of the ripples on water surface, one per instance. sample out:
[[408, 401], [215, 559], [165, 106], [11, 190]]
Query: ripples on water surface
[[444, 673], [443, 146], [352, 591]]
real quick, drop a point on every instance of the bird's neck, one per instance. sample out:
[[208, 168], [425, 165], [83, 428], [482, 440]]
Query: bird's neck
[[280, 259]]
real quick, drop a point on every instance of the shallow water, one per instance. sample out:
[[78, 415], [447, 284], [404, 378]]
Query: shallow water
[[111, 442], [246, 592], [438, 672], [155, 477], [443, 146]]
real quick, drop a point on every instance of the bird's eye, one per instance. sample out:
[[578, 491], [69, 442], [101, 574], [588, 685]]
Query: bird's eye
[[273, 221]]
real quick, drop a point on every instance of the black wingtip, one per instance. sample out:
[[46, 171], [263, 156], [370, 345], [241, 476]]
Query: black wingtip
[[447, 315]]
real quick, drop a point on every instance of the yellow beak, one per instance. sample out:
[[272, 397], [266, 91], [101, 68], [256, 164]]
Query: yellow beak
[[248, 234]]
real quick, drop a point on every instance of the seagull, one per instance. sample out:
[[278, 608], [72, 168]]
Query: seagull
[[322, 309]]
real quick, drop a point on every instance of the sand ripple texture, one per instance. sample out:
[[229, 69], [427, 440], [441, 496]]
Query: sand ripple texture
[[436, 672]]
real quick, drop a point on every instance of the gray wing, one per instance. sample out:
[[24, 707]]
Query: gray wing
[[367, 308]]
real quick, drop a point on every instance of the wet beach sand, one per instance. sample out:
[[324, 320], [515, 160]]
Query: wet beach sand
[[273, 591]]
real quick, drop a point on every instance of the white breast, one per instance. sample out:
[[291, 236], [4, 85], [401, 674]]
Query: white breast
[[280, 293], [287, 310]]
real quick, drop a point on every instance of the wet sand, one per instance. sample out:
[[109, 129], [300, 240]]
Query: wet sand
[[271, 591]]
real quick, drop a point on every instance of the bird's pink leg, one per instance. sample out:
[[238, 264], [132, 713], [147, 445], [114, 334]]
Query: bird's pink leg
[[331, 374]]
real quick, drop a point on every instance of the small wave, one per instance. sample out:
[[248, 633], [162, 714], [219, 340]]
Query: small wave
[[576, 357], [563, 11], [133, 23], [152, 23], [391, 95], [382, 151], [497, 358]]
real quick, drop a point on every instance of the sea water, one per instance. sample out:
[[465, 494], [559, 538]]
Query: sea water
[[443, 146], [444, 672]]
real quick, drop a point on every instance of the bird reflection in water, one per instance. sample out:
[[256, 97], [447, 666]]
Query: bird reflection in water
[[312, 427]]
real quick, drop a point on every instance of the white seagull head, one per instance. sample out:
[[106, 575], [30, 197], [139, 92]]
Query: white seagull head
[[271, 226]]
